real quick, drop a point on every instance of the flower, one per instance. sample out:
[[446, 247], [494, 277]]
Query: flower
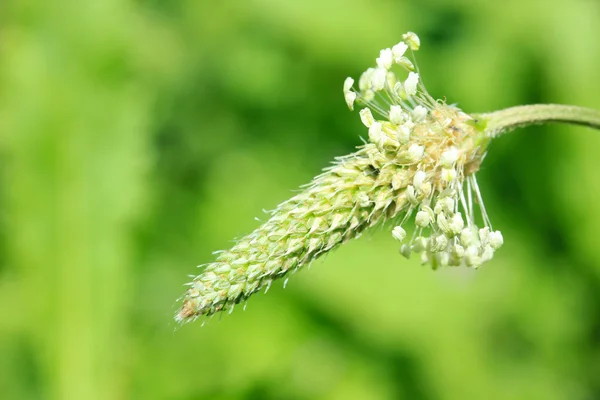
[[421, 159]]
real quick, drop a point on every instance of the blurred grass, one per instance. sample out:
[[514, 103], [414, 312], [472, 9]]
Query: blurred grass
[[138, 137]]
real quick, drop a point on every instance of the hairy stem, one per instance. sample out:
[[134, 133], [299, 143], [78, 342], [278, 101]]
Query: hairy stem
[[498, 122]]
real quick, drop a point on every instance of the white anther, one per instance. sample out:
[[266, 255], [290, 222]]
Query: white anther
[[438, 243], [422, 219], [406, 63], [487, 254], [398, 181], [443, 224], [412, 40], [456, 223], [429, 211], [397, 116], [410, 194], [405, 130], [385, 59], [368, 95], [410, 85], [399, 233], [449, 157], [472, 258], [495, 239], [419, 113], [403, 133], [375, 132], [399, 90], [398, 51], [363, 200], [415, 152], [366, 117], [419, 244], [418, 179], [443, 259], [350, 97], [483, 235], [364, 83], [388, 139], [378, 79], [445, 204], [448, 174], [458, 251], [466, 237], [405, 250], [348, 84], [391, 79], [426, 189]]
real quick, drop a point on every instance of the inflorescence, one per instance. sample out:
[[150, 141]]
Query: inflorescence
[[420, 160]]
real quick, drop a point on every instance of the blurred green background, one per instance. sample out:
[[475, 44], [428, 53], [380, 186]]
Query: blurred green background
[[136, 137]]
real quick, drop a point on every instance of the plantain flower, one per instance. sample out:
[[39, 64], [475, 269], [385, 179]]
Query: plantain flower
[[420, 160]]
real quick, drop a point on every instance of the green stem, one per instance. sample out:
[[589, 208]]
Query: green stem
[[498, 122]]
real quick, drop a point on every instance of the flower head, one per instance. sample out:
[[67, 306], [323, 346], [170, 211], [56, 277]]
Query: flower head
[[420, 160]]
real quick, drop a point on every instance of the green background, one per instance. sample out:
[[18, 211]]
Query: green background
[[137, 137]]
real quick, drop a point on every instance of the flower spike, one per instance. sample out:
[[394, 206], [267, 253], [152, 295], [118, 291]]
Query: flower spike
[[420, 161]]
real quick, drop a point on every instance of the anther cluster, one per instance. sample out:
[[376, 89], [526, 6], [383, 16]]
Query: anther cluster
[[435, 151]]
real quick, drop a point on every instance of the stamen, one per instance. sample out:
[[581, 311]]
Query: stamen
[[480, 201]]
